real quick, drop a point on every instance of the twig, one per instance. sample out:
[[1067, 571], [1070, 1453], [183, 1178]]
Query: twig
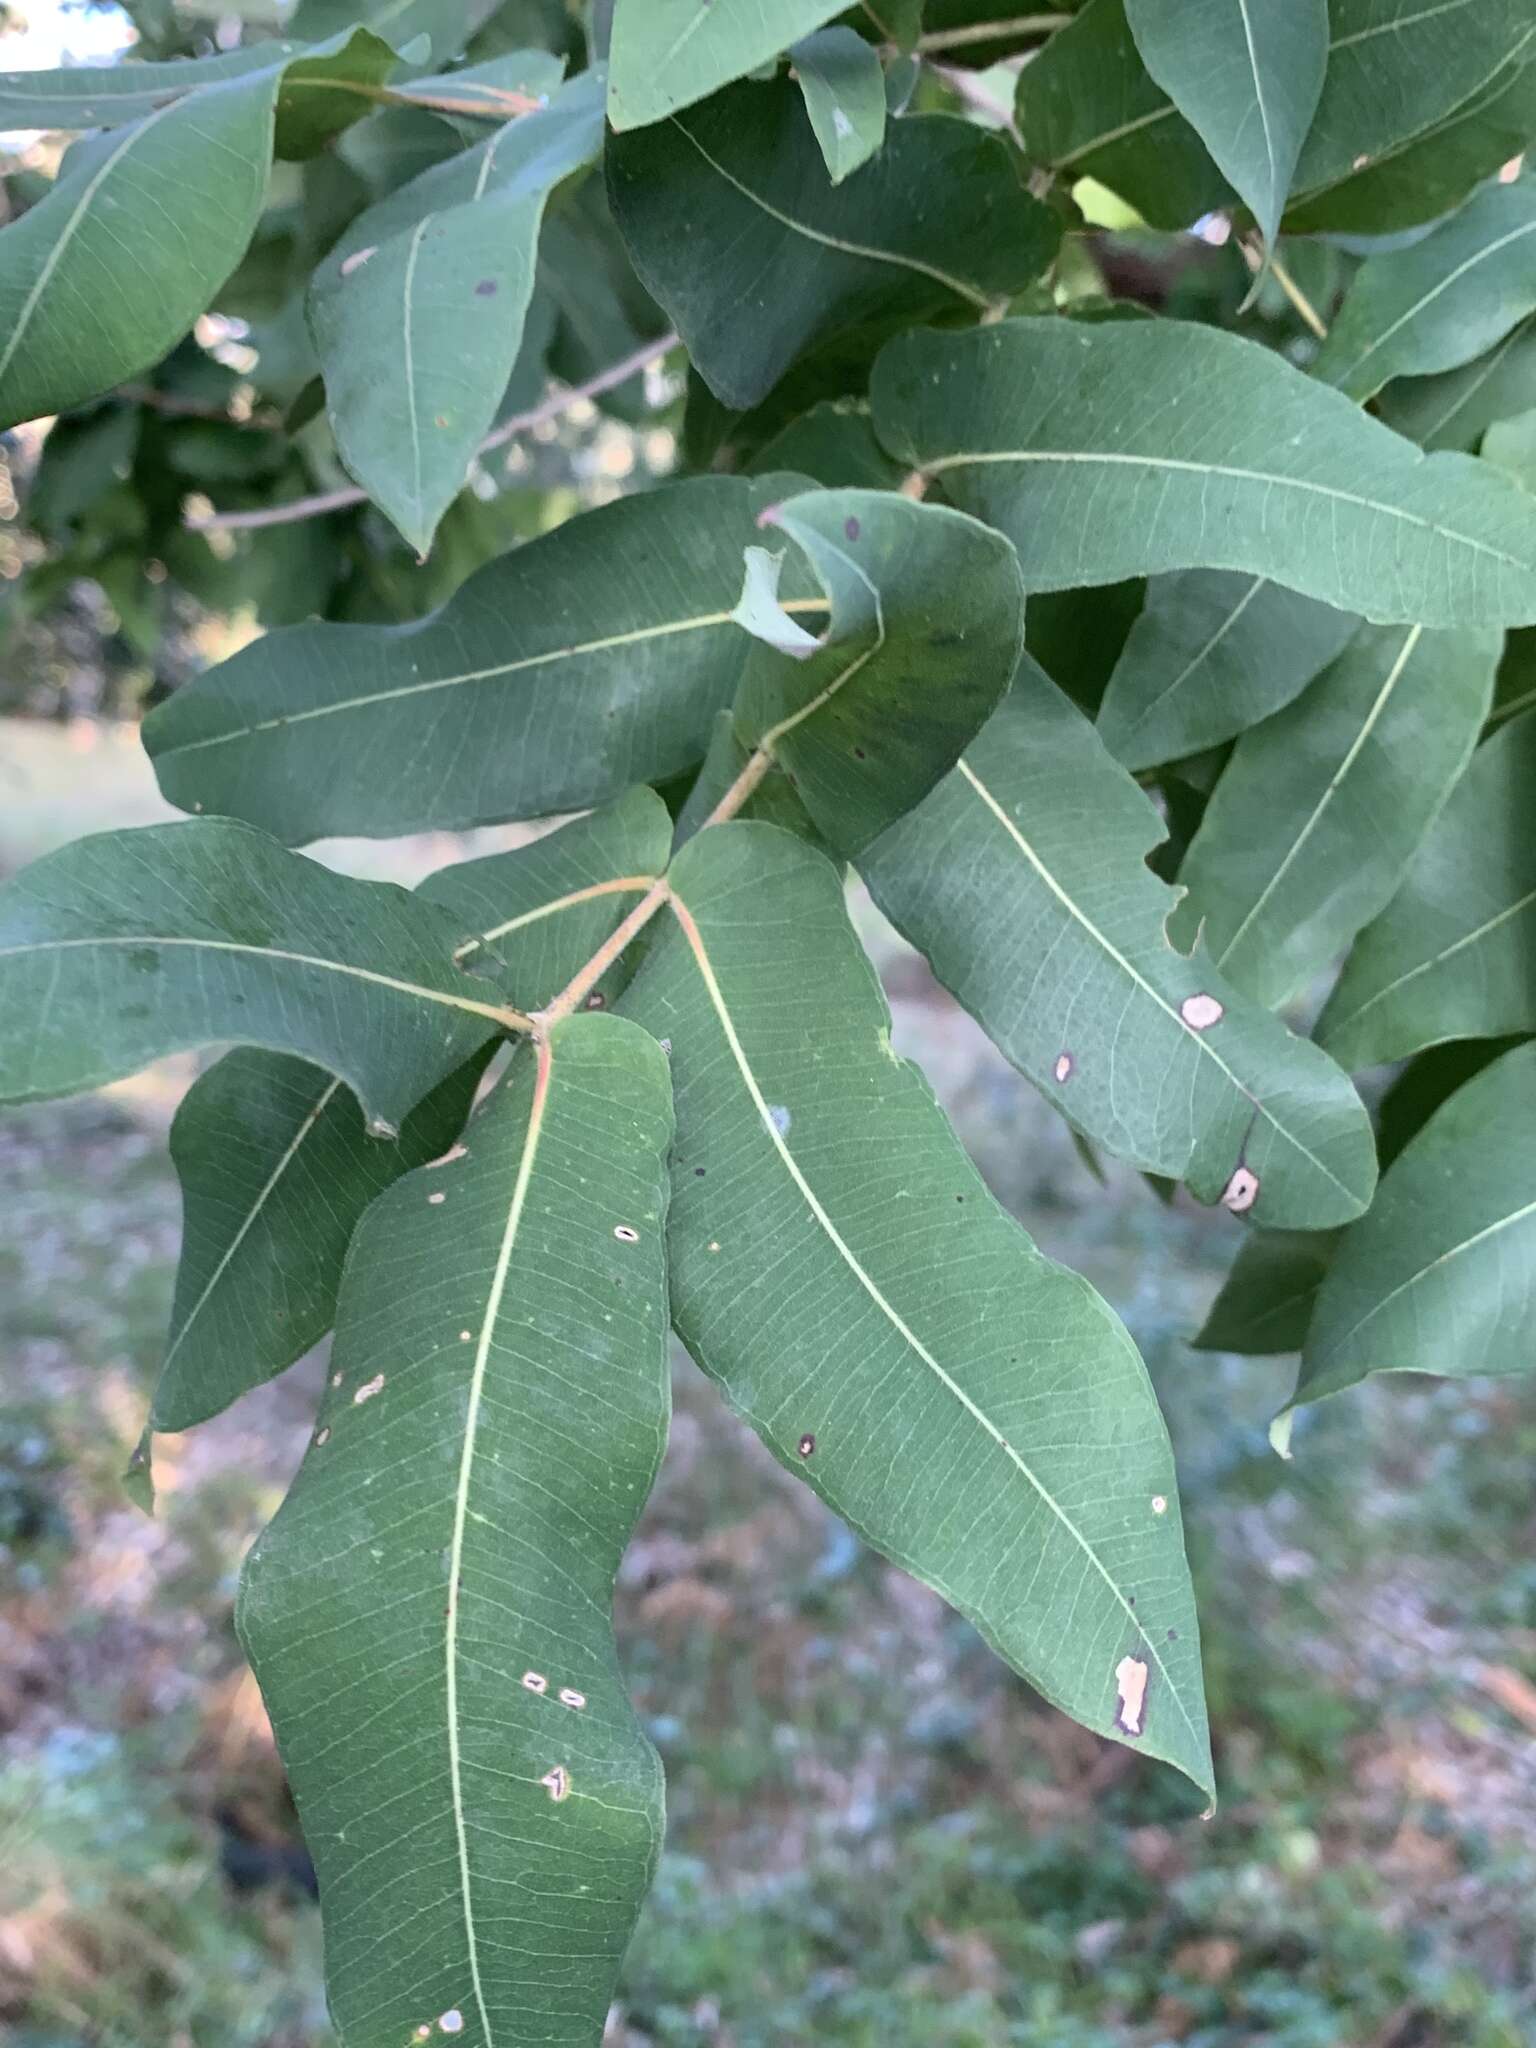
[[176, 407], [547, 409], [991, 31], [1254, 258]]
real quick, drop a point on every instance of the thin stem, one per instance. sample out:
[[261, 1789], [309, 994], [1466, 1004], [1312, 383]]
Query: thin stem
[[497, 104], [548, 409], [174, 406], [1254, 258], [992, 31]]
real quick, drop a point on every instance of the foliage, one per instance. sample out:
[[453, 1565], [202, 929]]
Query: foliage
[[940, 423]]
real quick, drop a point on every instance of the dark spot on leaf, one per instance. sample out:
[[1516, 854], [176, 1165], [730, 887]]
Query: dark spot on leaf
[[596, 1001], [144, 960], [486, 288], [698, 1172], [851, 528], [1173, 1635], [806, 1445], [859, 754]]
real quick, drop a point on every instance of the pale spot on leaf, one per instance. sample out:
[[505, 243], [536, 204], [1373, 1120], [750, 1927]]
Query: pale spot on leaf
[[357, 259], [1159, 1504], [1131, 1688], [1064, 1067], [625, 1235], [1201, 1012], [367, 1390], [557, 1783], [438, 1197], [452, 2021], [535, 1681], [1241, 1191], [570, 1697]]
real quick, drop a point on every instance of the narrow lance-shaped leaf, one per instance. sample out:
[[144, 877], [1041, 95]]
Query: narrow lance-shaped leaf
[[734, 228], [1267, 1299], [1456, 408], [1430, 1284], [844, 87], [83, 305], [105, 96], [1441, 302], [1317, 814], [1451, 955], [927, 619], [128, 945], [1034, 851], [1394, 71], [418, 311], [974, 1411], [1088, 107], [275, 1165], [1097, 450], [592, 658], [428, 1615], [668, 53], [1246, 74], [1211, 653]]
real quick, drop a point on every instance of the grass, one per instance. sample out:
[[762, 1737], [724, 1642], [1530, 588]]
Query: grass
[[878, 1835]]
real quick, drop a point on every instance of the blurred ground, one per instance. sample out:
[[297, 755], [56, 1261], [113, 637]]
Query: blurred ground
[[878, 1835]]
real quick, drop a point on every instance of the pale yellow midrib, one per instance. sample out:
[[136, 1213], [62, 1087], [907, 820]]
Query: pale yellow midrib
[[978, 457], [409, 988], [460, 1511], [1102, 940], [1336, 782], [1489, 924], [481, 675], [845, 1253], [1196, 659]]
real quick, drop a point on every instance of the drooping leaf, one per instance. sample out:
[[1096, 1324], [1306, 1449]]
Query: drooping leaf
[[1451, 955], [1396, 71], [418, 311], [446, 24], [1267, 1298], [926, 622], [1456, 408], [105, 96], [1319, 812], [275, 1165], [833, 444], [974, 1411], [844, 87], [128, 945], [1210, 654], [590, 659], [1246, 75], [1441, 1275], [666, 54], [1097, 450], [429, 1613], [1034, 852], [1425, 176], [275, 1169], [1089, 108], [734, 228], [1441, 302], [1428, 1080]]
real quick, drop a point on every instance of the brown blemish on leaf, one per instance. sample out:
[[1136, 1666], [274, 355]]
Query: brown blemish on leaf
[[1241, 1191], [1064, 1066], [557, 1783], [1201, 1012], [851, 528], [368, 1389], [357, 259], [486, 288], [806, 1445], [596, 1001], [1131, 1690]]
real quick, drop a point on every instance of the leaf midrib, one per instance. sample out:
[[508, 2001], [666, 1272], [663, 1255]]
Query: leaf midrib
[[1483, 255], [865, 1280]]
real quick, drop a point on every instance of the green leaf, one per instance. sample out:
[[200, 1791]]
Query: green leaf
[[84, 305], [833, 444], [731, 222], [1210, 654], [972, 1410], [107, 95], [666, 54], [1318, 813], [431, 1605], [1450, 956], [1246, 75], [1456, 408], [129, 945], [1441, 1275], [1427, 1081], [1034, 851], [1510, 445], [1396, 71], [275, 1165], [1089, 108], [418, 311], [604, 312], [1443, 301], [1097, 450], [275, 1169], [844, 87], [592, 658], [1267, 1299], [1425, 176], [927, 620]]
